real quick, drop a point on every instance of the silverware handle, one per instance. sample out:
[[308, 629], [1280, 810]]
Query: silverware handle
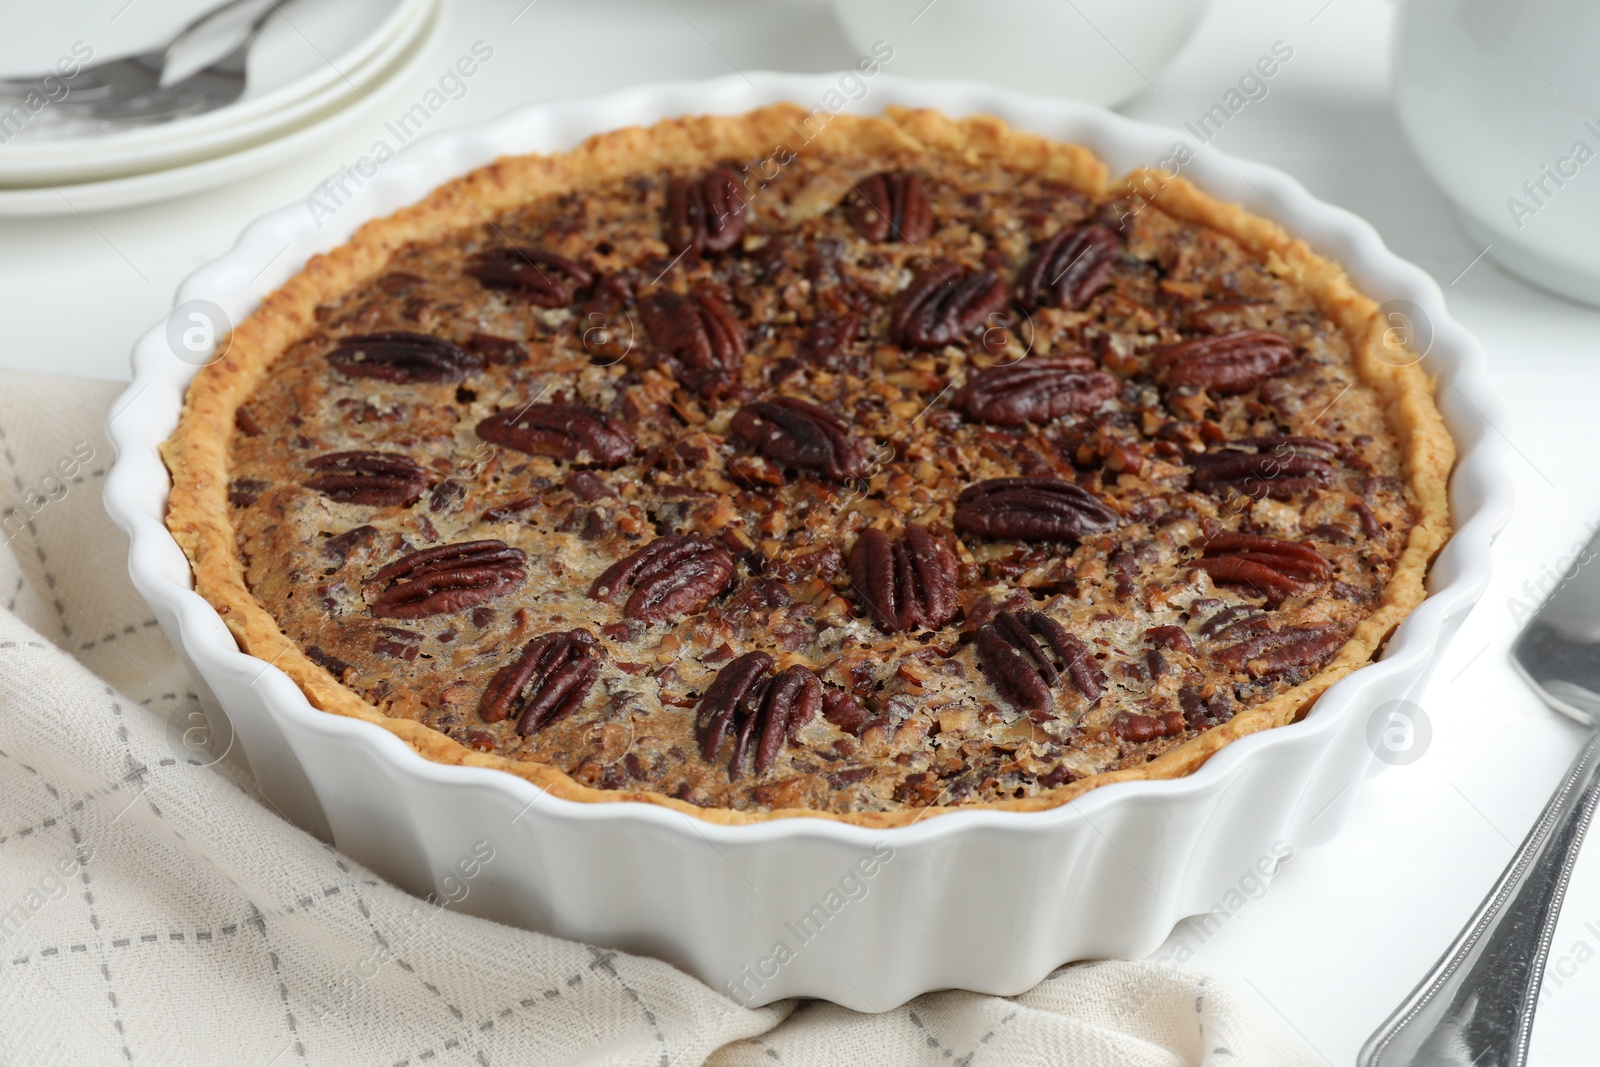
[[1476, 1006]]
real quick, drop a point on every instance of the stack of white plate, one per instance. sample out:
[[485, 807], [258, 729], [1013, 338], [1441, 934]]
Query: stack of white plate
[[315, 66]]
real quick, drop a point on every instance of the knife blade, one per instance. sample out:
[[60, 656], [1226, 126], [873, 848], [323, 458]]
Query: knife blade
[[1476, 1007]]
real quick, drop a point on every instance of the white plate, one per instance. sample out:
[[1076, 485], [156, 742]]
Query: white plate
[[274, 104], [984, 900], [177, 181]]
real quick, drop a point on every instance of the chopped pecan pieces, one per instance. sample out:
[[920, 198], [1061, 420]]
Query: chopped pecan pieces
[[700, 333], [1173, 638], [1267, 566], [339, 546], [907, 584], [892, 207], [1014, 652], [548, 681], [799, 434], [397, 643], [242, 492], [445, 495], [1203, 714], [520, 510], [379, 479], [841, 708], [496, 349], [1031, 509], [1069, 268], [704, 214], [402, 358], [760, 708], [447, 578], [541, 278], [1232, 363], [565, 431], [828, 336], [670, 577], [1036, 390], [328, 662], [945, 304]]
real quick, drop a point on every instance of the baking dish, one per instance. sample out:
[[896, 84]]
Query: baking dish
[[982, 900]]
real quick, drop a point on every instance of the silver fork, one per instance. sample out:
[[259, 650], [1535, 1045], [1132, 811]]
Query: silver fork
[[141, 90], [1476, 1007]]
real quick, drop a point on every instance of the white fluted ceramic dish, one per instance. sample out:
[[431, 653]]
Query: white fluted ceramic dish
[[983, 900]]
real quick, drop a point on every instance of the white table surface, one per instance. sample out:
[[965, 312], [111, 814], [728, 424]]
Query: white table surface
[[1347, 928]]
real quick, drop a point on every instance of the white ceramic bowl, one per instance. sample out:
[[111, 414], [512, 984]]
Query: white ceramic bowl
[[1506, 122], [1100, 51], [988, 901]]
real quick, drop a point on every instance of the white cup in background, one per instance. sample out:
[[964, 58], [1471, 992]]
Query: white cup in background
[[1501, 100], [1102, 51]]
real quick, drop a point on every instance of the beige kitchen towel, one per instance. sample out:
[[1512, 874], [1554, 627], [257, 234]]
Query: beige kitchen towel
[[155, 911]]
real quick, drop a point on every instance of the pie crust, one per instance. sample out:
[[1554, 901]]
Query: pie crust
[[198, 453]]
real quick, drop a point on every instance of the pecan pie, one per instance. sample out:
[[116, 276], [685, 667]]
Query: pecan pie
[[905, 467]]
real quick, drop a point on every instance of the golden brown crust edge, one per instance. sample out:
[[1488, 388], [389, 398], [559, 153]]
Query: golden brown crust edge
[[196, 454]]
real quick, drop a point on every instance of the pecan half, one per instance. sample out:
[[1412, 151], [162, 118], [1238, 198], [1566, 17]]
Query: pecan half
[[1267, 566], [565, 431], [1069, 268], [379, 479], [548, 681], [1231, 363], [892, 207], [448, 578], [401, 357], [1131, 726], [944, 305], [1031, 509], [1280, 473], [671, 576], [700, 333], [704, 214], [532, 274], [801, 435], [1283, 650], [908, 584], [1286, 444], [1036, 390], [1230, 620], [759, 708], [1014, 652]]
